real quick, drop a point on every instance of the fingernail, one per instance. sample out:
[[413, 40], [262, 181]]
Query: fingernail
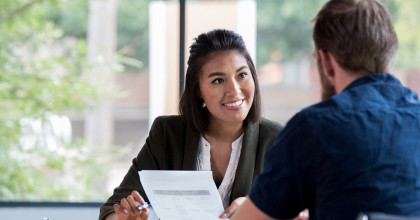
[[224, 215]]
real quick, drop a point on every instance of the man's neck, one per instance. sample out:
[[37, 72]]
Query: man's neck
[[345, 78]]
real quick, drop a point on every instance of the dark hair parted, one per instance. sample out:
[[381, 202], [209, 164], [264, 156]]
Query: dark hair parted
[[204, 45], [358, 33]]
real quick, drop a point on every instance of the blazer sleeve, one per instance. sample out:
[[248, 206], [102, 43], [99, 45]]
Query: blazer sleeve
[[150, 157]]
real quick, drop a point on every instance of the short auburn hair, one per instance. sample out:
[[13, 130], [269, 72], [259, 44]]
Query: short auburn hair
[[206, 44], [358, 33]]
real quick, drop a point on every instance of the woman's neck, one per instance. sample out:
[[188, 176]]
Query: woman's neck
[[226, 132]]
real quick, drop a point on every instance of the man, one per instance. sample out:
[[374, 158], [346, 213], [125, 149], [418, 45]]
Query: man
[[359, 149]]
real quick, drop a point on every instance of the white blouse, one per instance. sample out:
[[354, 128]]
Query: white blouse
[[204, 164]]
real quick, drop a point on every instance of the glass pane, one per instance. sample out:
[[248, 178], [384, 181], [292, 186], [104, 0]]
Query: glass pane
[[285, 67], [71, 120], [287, 72], [74, 96]]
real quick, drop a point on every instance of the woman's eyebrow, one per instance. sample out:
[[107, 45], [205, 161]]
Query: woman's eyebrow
[[241, 68], [223, 74], [216, 74]]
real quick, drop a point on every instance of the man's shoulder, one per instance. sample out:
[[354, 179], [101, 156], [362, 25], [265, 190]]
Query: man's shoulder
[[315, 110], [342, 103]]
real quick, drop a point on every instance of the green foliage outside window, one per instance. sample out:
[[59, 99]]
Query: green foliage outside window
[[40, 77], [286, 26]]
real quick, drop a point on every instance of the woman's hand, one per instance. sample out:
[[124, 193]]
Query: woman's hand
[[303, 215], [233, 207], [127, 210]]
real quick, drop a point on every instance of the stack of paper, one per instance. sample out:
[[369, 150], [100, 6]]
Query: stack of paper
[[186, 195]]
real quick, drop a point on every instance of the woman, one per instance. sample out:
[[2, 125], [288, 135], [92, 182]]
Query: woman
[[219, 129]]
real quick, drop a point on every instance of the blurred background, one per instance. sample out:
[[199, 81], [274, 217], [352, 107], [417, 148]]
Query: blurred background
[[82, 80]]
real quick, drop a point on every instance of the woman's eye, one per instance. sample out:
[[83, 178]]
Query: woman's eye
[[242, 75], [217, 81]]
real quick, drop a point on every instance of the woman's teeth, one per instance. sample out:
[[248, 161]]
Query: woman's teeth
[[234, 104]]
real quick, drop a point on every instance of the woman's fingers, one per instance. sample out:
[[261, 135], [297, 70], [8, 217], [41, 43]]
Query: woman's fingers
[[138, 197], [128, 207], [125, 204], [118, 209], [233, 207], [144, 214], [133, 203]]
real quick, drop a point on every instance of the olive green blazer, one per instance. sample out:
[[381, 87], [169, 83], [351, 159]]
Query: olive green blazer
[[173, 145]]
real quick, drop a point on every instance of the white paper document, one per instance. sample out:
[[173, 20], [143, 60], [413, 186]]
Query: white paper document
[[186, 195]]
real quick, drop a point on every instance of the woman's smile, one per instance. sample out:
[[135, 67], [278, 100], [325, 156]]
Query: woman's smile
[[236, 105]]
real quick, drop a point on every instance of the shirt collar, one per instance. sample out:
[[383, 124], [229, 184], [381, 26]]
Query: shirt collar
[[384, 77], [235, 144]]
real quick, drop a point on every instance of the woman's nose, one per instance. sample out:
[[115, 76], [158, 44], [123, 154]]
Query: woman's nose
[[232, 88]]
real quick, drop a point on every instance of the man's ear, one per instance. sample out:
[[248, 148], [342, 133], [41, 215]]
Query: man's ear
[[327, 65]]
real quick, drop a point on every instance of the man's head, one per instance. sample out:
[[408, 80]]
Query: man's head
[[359, 34]]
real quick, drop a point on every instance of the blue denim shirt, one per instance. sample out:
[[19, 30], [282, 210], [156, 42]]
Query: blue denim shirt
[[358, 151]]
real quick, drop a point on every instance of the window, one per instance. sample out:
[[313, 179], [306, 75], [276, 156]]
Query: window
[[70, 126]]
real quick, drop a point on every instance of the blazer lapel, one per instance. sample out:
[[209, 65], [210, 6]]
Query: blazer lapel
[[245, 171], [190, 149]]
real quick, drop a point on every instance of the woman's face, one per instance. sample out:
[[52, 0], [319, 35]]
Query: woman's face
[[227, 87]]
